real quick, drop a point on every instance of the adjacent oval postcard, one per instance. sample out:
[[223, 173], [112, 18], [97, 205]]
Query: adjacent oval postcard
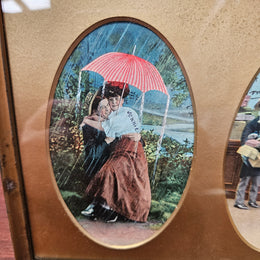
[[242, 166], [121, 133]]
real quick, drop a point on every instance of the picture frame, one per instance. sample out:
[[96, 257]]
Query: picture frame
[[42, 227]]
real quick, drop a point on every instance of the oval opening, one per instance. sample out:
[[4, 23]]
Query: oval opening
[[134, 185], [242, 168]]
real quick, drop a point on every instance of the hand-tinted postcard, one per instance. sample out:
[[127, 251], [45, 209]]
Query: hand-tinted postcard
[[121, 132]]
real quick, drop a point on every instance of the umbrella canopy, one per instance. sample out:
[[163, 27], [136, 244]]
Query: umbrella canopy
[[128, 68]]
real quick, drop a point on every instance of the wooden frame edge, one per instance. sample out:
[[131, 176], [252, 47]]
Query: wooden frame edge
[[11, 169]]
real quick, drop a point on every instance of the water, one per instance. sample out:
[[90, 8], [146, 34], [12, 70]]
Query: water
[[179, 132]]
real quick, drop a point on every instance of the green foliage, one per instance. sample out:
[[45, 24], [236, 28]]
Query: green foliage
[[173, 156], [172, 173], [149, 119], [66, 140], [160, 211], [170, 70], [74, 201]]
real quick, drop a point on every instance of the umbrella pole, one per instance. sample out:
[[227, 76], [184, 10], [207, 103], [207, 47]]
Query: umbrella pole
[[78, 95], [102, 97], [160, 139], [121, 97], [142, 108], [103, 89]]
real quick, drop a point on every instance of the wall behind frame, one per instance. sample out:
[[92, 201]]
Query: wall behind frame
[[218, 43]]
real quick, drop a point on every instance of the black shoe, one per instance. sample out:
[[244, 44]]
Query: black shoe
[[104, 213], [89, 211], [109, 216], [241, 206], [100, 211], [253, 204], [112, 219]]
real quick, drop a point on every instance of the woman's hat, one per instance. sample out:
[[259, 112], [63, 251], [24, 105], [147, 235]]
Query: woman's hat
[[118, 84], [114, 88]]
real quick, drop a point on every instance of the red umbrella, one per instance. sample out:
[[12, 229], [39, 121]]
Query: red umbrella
[[128, 68]]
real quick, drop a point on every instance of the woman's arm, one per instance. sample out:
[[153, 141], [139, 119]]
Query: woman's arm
[[92, 121], [95, 124], [93, 117], [109, 140]]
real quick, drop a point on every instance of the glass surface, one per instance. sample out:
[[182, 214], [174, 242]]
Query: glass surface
[[166, 128]]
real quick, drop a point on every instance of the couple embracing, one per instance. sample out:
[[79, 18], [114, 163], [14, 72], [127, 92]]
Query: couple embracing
[[115, 163]]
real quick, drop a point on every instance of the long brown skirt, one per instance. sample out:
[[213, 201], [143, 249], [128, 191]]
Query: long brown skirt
[[123, 181]]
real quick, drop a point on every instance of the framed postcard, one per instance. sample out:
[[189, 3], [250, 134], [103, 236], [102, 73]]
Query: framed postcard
[[121, 124]]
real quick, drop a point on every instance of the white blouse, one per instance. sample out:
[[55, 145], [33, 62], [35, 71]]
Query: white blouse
[[123, 121]]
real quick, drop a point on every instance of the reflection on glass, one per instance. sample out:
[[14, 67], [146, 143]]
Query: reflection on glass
[[12, 6], [121, 133], [242, 173], [37, 5]]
